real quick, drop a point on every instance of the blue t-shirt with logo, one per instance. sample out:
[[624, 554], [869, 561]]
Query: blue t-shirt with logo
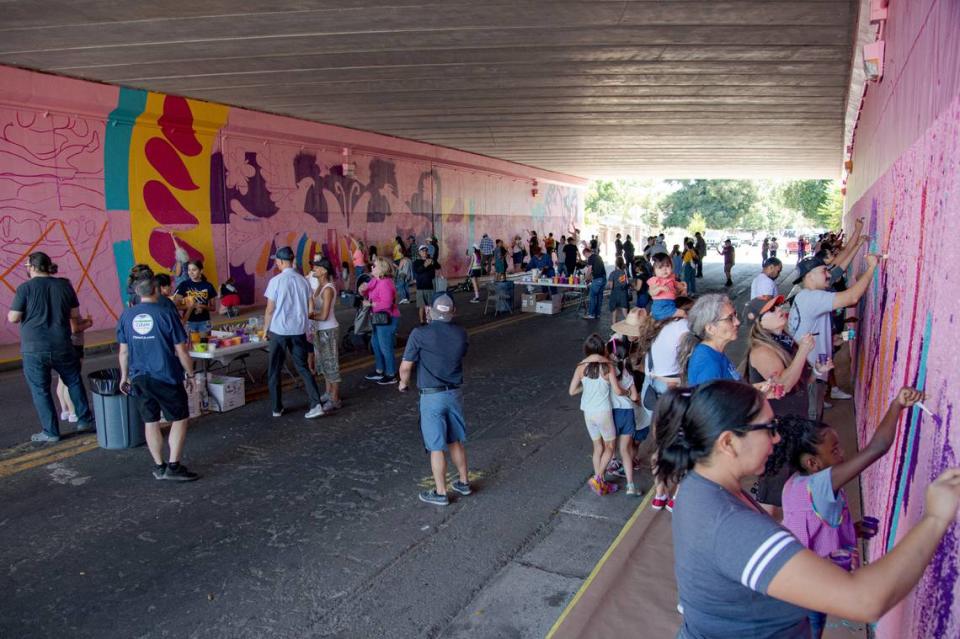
[[706, 365], [151, 331]]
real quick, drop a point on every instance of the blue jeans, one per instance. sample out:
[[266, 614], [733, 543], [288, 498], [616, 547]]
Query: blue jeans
[[36, 368], [403, 289], [199, 327], [690, 278], [818, 621], [596, 296], [299, 347], [358, 271], [384, 339]]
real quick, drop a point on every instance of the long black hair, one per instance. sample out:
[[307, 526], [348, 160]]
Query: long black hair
[[688, 422], [798, 437]]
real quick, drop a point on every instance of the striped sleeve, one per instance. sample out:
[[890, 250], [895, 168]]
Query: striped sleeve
[[751, 548]]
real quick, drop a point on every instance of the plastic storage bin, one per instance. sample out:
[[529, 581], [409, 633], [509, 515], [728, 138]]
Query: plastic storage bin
[[118, 421]]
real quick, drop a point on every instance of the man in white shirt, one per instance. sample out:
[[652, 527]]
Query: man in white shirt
[[661, 245], [810, 314], [766, 282], [285, 323]]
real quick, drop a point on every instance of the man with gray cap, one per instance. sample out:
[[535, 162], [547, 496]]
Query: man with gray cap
[[438, 350], [285, 323], [765, 283], [810, 315]]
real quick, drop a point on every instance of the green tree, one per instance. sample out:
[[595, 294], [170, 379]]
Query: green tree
[[830, 211], [722, 203], [625, 201], [805, 196], [697, 224]]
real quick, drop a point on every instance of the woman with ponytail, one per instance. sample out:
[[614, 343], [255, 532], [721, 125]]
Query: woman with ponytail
[[713, 326], [741, 574]]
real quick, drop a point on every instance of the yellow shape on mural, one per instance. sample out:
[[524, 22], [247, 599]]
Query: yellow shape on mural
[[169, 183]]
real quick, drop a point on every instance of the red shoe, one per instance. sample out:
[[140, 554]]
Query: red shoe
[[659, 502], [670, 505]]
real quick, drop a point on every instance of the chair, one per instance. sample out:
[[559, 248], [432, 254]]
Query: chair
[[497, 295]]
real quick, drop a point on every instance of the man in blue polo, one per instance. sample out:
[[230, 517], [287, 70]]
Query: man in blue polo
[[438, 350]]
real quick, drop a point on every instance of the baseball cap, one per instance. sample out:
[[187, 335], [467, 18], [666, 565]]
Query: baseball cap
[[805, 266], [760, 305], [772, 261], [442, 308], [423, 247], [284, 253]]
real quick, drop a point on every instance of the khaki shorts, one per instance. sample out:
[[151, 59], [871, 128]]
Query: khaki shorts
[[424, 297], [325, 348], [600, 425]]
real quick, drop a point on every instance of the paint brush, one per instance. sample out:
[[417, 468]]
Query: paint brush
[[936, 418]]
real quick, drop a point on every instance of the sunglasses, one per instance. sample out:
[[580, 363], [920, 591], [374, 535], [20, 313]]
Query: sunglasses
[[771, 427]]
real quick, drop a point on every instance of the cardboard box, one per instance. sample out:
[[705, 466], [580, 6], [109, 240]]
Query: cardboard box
[[528, 301], [551, 306], [225, 393]]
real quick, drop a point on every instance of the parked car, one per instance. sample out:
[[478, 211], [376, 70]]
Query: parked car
[[790, 247]]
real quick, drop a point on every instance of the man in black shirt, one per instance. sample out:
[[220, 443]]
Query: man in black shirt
[[598, 281], [424, 271], [47, 309], [570, 255], [628, 256], [618, 246]]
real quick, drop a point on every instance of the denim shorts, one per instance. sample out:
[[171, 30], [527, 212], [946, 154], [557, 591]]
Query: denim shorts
[[441, 419], [663, 309], [625, 421]]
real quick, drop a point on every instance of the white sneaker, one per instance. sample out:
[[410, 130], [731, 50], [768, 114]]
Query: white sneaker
[[72, 418], [836, 393], [64, 415], [277, 413], [827, 404], [316, 411], [404, 301]]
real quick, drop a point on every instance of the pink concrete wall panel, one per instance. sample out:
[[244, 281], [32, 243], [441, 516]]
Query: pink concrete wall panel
[[101, 178], [921, 78], [906, 172]]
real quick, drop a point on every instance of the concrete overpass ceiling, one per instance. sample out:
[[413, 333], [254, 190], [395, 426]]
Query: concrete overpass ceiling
[[746, 88]]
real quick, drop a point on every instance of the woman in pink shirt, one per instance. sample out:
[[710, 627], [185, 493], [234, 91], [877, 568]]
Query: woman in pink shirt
[[382, 297]]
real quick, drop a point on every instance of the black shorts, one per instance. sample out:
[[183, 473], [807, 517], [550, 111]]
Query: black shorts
[[154, 396], [79, 351]]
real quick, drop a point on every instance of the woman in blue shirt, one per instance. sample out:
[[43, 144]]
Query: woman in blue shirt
[[713, 326]]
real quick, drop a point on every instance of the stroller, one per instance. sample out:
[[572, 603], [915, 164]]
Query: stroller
[[360, 333]]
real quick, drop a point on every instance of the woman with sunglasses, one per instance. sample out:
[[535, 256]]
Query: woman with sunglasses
[[739, 573], [713, 326]]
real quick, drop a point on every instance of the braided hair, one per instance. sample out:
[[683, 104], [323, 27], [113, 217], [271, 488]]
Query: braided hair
[[799, 436]]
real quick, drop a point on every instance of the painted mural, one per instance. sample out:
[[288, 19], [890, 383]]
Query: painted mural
[[908, 335], [102, 191]]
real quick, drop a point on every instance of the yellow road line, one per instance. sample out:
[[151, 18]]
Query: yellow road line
[[596, 569], [75, 445]]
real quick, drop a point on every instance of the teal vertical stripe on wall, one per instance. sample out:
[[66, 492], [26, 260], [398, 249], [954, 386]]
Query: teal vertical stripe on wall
[[116, 148]]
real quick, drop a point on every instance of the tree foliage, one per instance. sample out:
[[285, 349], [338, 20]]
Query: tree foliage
[[805, 196], [830, 211], [722, 203]]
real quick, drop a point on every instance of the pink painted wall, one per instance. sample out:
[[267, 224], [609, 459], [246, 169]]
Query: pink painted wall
[[102, 177], [906, 172]]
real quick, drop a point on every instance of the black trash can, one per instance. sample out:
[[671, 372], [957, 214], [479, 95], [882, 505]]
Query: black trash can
[[118, 421]]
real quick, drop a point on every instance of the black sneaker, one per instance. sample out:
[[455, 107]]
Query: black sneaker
[[461, 487], [179, 472], [85, 428], [387, 379], [432, 497], [159, 470], [374, 376]]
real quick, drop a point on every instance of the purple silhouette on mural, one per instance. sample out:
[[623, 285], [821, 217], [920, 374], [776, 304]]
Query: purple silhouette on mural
[[305, 167], [428, 192], [257, 200], [383, 176]]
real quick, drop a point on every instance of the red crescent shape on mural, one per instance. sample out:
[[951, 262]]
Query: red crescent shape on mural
[[162, 250], [177, 126], [166, 161], [164, 207]]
